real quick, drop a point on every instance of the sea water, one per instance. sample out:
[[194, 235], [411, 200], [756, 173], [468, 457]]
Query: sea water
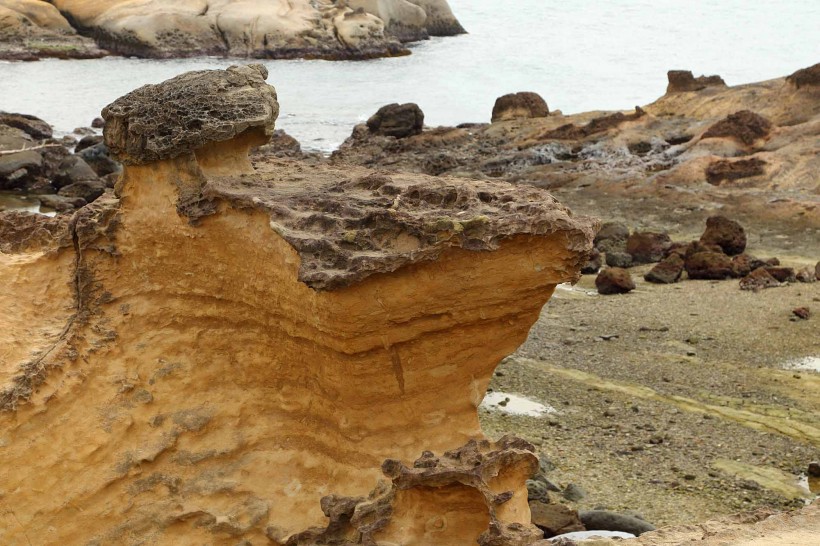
[[579, 56]]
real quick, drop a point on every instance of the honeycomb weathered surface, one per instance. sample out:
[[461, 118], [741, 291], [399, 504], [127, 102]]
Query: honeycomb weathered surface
[[180, 115]]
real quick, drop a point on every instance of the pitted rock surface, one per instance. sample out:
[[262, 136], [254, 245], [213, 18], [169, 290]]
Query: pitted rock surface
[[185, 113], [347, 228]]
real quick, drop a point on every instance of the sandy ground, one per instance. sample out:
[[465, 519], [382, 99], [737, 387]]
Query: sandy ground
[[672, 401]]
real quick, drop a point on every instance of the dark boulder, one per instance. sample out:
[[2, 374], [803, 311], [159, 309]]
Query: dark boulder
[[604, 520], [98, 123], [614, 280], [32, 126], [72, 170], [99, 159], [744, 126], [681, 81], [612, 237], [519, 105], [758, 280], [87, 142], [86, 189], [647, 247], [725, 233], [397, 120], [667, 272], [709, 266], [618, 259]]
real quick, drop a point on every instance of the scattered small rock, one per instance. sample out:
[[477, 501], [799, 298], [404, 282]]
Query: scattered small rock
[[574, 493], [782, 274], [612, 237], [666, 272], [802, 313], [725, 233], [806, 275], [709, 266], [758, 280], [681, 81], [614, 280], [83, 131], [98, 123], [647, 247], [618, 259], [814, 469]]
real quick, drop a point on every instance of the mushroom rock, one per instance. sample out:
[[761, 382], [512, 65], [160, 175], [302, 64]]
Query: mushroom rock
[[225, 355], [525, 104], [681, 81]]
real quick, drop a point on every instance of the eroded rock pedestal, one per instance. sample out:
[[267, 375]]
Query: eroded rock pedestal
[[286, 355]]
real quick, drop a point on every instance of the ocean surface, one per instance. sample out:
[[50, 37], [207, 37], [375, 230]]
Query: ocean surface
[[580, 55]]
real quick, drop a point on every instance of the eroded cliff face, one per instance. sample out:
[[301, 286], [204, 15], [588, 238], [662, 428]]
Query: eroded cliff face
[[348, 29], [291, 355]]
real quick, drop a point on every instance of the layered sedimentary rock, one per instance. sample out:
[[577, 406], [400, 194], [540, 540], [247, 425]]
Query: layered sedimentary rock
[[262, 29], [281, 355]]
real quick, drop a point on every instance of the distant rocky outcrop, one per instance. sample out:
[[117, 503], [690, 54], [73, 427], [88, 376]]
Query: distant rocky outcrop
[[279, 353], [34, 29], [682, 81], [748, 151], [328, 29]]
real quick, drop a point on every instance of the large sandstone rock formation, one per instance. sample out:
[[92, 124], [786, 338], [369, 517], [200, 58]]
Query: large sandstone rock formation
[[31, 29], [290, 354], [334, 29]]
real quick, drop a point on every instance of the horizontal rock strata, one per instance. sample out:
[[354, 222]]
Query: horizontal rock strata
[[220, 355]]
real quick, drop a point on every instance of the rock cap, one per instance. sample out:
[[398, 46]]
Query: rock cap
[[183, 114]]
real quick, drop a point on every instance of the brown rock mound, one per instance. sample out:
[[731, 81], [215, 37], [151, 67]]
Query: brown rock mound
[[745, 126], [806, 77], [728, 170], [519, 105], [614, 280], [681, 81]]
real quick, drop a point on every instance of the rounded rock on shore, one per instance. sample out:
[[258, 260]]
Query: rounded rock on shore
[[397, 120], [525, 104], [614, 280]]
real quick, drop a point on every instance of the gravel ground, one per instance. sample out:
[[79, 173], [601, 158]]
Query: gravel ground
[[672, 401]]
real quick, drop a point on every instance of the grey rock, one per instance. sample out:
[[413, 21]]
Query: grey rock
[[604, 520], [99, 159], [73, 169], [32, 126], [185, 113], [87, 142], [86, 189], [619, 259], [574, 493]]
